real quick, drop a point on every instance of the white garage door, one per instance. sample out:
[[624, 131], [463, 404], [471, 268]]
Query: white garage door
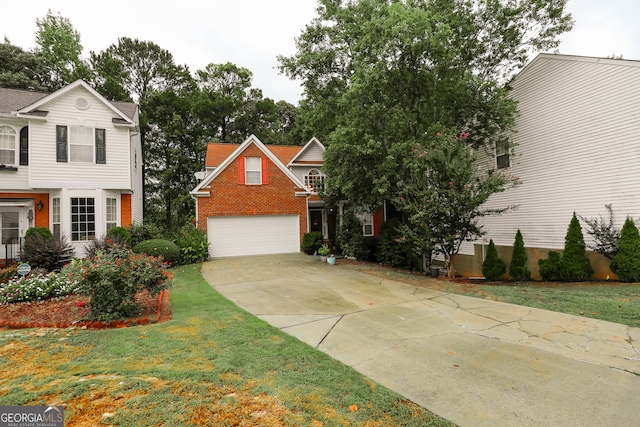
[[253, 235]]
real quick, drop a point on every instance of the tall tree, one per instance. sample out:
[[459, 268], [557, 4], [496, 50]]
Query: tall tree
[[442, 195], [20, 69], [138, 68], [174, 153], [379, 74], [58, 43]]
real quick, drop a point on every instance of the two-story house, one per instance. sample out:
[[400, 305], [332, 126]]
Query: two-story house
[[258, 199], [70, 161]]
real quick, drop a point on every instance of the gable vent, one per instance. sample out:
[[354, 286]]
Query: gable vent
[[82, 103]]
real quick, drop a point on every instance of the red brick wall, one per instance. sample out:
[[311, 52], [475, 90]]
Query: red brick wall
[[125, 210], [228, 198], [41, 218]]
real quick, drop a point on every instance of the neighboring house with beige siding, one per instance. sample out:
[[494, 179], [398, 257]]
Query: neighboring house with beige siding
[[577, 148], [70, 161]]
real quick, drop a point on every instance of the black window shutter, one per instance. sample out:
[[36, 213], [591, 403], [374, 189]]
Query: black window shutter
[[24, 146], [101, 151], [61, 144]]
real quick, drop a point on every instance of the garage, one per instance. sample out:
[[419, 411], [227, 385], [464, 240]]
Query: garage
[[253, 235]]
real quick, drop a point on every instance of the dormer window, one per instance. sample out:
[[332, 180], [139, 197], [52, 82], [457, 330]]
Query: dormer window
[[314, 180]]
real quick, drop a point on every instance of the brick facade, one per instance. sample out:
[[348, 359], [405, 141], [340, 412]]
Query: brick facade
[[229, 198]]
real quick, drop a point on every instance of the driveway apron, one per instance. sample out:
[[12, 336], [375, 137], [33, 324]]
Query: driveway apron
[[472, 361]]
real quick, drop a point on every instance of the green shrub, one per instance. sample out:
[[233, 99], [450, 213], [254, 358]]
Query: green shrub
[[169, 251], [193, 244], [605, 234], [393, 249], [46, 252], [550, 267], [42, 231], [626, 262], [141, 232], [119, 235], [112, 283], [311, 242], [351, 238], [518, 268], [574, 264], [493, 266]]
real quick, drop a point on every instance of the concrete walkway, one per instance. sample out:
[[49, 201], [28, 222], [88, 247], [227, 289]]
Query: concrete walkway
[[472, 361]]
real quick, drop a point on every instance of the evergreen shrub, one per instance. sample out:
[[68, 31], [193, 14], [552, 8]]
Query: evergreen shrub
[[574, 264], [550, 267], [48, 252], [393, 249], [311, 242], [518, 268], [626, 262], [351, 237], [493, 267], [119, 235]]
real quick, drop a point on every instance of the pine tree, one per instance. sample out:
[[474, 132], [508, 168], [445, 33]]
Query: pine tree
[[574, 265], [518, 269], [626, 263], [493, 266]]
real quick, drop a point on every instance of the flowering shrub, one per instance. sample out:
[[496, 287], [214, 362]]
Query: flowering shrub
[[193, 244], [37, 286], [112, 280], [8, 273]]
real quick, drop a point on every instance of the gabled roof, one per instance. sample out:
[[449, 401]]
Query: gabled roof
[[15, 99], [216, 151], [312, 142], [25, 103]]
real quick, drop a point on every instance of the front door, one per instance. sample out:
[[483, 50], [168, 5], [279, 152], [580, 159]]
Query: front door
[[315, 217]]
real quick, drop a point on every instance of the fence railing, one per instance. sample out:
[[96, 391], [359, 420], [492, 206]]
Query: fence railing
[[12, 249]]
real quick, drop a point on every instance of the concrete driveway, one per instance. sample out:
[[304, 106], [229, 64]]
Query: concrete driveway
[[472, 361]]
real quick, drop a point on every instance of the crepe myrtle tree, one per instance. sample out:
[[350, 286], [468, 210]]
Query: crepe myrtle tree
[[442, 194]]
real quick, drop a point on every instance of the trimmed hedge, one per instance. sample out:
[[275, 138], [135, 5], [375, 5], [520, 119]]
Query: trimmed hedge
[[159, 247]]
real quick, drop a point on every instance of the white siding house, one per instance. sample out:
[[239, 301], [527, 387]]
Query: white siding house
[[577, 148], [70, 161]]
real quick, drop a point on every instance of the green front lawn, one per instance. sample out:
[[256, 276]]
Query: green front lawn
[[212, 364]]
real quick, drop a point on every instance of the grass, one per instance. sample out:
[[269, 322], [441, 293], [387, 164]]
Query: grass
[[212, 364], [611, 302]]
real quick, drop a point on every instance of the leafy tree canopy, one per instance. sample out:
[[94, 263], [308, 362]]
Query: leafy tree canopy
[[58, 43], [20, 69], [379, 74]]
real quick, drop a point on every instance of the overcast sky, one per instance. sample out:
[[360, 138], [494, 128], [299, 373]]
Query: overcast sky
[[251, 33]]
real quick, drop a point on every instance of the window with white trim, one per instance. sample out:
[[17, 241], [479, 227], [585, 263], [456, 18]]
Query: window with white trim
[[83, 218], [367, 223], [81, 144], [112, 212], [7, 146], [55, 216], [314, 180], [253, 170], [502, 154]]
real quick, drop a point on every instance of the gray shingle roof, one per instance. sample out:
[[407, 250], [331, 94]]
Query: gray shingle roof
[[16, 99]]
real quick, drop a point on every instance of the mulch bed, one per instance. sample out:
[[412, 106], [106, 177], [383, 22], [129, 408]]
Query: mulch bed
[[72, 311]]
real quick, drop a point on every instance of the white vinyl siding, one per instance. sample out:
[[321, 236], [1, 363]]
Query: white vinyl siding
[[576, 148], [253, 235], [45, 170]]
